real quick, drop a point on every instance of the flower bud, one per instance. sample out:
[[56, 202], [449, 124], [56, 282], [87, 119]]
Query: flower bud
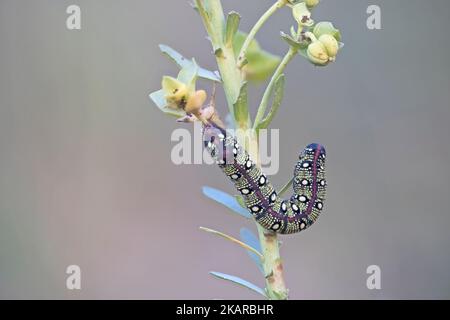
[[330, 43], [311, 3], [317, 53], [195, 102]]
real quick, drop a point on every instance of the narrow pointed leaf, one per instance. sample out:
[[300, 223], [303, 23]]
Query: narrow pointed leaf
[[233, 20], [227, 200], [234, 240], [241, 113], [249, 238], [278, 92], [159, 99], [293, 43], [182, 62], [239, 281], [240, 200]]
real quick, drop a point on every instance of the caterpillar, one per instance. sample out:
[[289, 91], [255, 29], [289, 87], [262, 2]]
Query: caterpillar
[[261, 199]]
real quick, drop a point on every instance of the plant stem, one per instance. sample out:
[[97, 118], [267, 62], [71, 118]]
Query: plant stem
[[272, 263], [213, 18], [267, 93], [277, 5], [212, 15]]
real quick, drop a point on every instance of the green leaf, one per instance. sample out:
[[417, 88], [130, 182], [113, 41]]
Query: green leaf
[[239, 281], [188, 75], [294, 43], [244, 245], [158, 97], [241, 114], [278, 92], [233, 20], [260, 63], [293, 32], [227, 200], [326, 27], [240, 200], [249, 238], [183, 62]]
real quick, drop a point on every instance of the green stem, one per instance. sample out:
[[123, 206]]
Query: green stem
[[272, 264], [277, 5], [266, 96], [212, 15], [213, 18]]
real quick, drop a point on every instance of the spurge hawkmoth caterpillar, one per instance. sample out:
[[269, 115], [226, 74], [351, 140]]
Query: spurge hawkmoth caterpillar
[[270, 210]]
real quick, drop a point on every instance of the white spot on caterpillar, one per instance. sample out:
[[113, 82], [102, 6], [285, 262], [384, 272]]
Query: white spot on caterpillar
[[245, 191], [322, 182], [295, 207], [234, 176], [283, 206], [305, 164], [304, 182], [319, 205], [302, 226], [256, 209], [248, 164], [262, 180], [302, 198], [276, 226]]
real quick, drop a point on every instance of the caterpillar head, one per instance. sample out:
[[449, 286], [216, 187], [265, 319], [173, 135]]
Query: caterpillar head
[[313, 148], [217, 143]]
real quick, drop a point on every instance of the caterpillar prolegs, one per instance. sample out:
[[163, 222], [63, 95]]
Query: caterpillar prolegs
[[261, 199]]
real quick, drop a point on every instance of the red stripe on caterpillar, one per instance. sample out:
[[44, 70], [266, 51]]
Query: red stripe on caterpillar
[[261, 199]]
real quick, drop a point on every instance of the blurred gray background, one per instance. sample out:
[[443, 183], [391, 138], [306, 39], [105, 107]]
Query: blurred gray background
[[86, 175]]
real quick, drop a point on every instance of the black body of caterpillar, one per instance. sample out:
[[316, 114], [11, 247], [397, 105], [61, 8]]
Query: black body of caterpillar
[[269, 210]]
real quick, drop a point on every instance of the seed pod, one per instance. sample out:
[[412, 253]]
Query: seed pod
[[330, 43], [317, 53]]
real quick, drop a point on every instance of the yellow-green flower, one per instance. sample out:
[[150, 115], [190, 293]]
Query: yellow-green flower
[[302, 14], [175, 92]]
